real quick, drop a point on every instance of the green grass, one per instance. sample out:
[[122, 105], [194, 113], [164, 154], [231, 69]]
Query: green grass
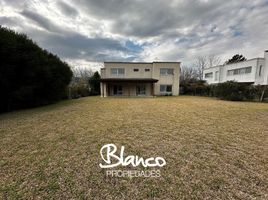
[[214, 149]]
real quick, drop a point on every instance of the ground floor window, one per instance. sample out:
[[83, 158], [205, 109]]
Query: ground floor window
[[141, 90], [165, 88], [118, 90], [209, 75]]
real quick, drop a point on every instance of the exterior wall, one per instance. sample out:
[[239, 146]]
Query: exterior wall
[[213, 79], [129, 70], [253, 77], [265, 71], [241, 77], [166, 79], [129, 89], [260, 79]]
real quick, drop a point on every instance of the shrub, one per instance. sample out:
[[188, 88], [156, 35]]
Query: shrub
[[234, 91], [230, 90], [194, 87], [29, 75], [94, 82]]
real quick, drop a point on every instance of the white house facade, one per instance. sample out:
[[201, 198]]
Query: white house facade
[[254, 71], [140, 78]]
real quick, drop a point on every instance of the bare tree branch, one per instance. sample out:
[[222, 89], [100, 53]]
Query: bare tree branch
[[203, 62]]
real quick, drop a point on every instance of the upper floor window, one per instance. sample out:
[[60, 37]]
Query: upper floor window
[[135, 70], [260, 70], [147, 70], [209, 75], [166, 71], [244, 70], [117, 71]]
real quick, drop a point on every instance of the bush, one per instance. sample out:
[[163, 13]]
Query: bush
[[230, 90], [29, 75], [194, 87], [235, 91], [94, 82]]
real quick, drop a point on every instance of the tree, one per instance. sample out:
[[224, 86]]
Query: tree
[[94, 83], [213, 60], [188, 73], [236, 58], [203, 62], [79, 86], [29, 75]]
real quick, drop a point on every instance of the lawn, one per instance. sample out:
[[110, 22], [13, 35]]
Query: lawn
[[214, 149]]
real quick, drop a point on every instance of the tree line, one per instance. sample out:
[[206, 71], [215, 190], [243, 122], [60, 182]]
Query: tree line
[[29, 75]]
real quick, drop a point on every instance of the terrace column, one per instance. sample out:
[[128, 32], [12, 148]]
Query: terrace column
[[152, 89], [101, 89], [104, 89]]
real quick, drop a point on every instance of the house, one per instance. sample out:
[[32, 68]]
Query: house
[[140, 78], [253, 71]]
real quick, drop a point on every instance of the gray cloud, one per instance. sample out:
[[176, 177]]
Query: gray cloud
[[69, 44], [67, 9], [97, 30], [41, 21], [79, 46]]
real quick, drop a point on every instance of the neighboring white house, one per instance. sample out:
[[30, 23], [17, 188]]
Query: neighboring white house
[[253, 71], [140, 78]]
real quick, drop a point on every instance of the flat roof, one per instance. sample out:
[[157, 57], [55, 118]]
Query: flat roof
[[234, 63], [148, 80]]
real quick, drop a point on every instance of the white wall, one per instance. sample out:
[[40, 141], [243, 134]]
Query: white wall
[[253, 77], [240, 77], [213, 79], [265, 71]]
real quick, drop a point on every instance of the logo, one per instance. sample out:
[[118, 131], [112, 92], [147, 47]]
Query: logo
[[111, 160]]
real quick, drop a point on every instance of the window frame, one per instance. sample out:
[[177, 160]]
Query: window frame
[[207, 75], [167, 71], [165, 91], [142, 87], [216, 78], [239, 71], [117, 71], [119, 90]]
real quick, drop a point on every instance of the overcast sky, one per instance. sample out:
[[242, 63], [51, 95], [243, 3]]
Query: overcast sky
[[83, 32]]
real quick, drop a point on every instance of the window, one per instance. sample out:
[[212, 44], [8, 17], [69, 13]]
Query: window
[[248, 70], [140, 90], [166, 88], [216, 75], [244, 70], [147, 70], [166, 71], [260, 70], [117, 71], [136, 70], [230, 72], [118, 90], [209, 75]]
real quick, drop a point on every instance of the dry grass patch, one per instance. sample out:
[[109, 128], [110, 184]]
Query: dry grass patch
[[214, 149]]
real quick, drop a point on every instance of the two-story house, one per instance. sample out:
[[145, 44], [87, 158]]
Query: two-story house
[[253, 71], [140, 78]]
